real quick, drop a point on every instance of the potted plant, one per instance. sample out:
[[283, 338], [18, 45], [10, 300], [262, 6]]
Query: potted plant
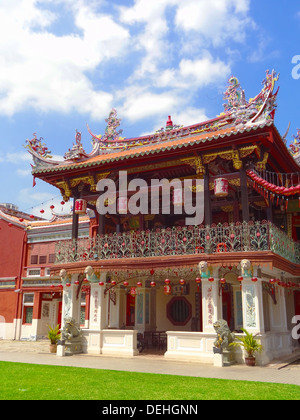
[[53, 335], [250, 344]]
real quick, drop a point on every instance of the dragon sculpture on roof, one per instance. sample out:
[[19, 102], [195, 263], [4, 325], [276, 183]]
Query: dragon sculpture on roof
[[238, 112]]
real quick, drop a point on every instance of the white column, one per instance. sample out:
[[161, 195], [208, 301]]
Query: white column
[[252, 301], [211, 304], [97, 307], [70, 302]]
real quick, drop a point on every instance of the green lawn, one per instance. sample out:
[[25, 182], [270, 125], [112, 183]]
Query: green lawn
[[21, 381]]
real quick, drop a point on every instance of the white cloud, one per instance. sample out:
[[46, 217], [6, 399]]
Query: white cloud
[[160, 44], [216, 21], [140, 104], [47, 72], [197, 73]]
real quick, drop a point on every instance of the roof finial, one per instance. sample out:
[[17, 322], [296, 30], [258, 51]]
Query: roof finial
[[169, 123]]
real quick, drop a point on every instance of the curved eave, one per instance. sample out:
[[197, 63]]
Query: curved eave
[[282, 154], [142, 151]]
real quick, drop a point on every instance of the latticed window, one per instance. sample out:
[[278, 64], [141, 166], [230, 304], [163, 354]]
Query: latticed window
[[179, 310]]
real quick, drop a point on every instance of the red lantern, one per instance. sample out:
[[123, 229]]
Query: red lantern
[[167, 289], [10, 224], [80, 206], [113, 282], [177, 197], [125, 283], [21, 220], [76, 282], [101, 283], [222, 280], [153, 284], [221, 187], [42, 211], [254, 279], [122, 205], [182, 282], [52, 207], [211, 279], [167, 281], [198, 282], [139, 284], [152, 271], [31, 216], [240, 278], [68, 284], [272, 281]]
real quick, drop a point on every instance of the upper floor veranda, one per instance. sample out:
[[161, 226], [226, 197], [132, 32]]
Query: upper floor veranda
[[216, 239]]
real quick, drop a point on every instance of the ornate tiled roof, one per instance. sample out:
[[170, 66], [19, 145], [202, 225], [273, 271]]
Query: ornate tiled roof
[[239, 116]]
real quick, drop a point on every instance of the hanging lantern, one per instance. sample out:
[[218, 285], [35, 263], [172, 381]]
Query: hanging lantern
[[272, 281], [222, 280], [167, 289], [113, 282], [52, 207], [125, 283], [211, 279], [221, 187], [68, 284], [42, 211], [31, 216], [80, 206], [152, 284], [101, 283], [167, 281], [152, 271], [177, 197], [240, 278], [139, 284], [76, 282], [21, 220], [198, 282], [62, 203], [254, 279], [122, 205]]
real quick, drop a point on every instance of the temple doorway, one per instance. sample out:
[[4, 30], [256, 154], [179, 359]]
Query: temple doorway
[[130, 310]]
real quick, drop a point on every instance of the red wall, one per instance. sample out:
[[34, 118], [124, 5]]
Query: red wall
[[11, 255]]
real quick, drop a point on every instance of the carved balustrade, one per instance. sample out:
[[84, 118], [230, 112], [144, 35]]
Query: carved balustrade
[[234, 237]]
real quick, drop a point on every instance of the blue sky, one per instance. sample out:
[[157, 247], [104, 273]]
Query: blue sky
[[66, 63]]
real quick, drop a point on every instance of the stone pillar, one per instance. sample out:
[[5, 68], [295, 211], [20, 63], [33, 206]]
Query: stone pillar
[[253, 320], [70, 301], [97, 307], [113, 296], [211, 304]]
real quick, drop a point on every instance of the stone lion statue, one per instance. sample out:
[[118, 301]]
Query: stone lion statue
[[70, 330], [224, 335], [246, 268], [63, 275], [203, 269], [90, 274]]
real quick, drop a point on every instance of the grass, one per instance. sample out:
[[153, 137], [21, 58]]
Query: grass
[[21, 381]]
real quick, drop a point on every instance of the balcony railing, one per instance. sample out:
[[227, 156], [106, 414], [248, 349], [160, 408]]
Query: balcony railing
[[234, 237]]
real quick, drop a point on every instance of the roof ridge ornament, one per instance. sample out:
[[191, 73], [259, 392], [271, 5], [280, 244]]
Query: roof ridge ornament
[[77, 151], [259, 109]]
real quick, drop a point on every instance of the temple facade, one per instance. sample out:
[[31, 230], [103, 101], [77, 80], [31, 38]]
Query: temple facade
[[189, 225]]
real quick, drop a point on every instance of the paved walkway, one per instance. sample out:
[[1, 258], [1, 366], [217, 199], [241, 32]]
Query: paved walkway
[[38, 352]]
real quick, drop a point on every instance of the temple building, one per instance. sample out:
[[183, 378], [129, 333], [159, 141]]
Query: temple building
[[30, 299], [190, 225]]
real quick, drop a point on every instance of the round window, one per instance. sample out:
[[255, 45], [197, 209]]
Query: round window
[[179, 311]]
